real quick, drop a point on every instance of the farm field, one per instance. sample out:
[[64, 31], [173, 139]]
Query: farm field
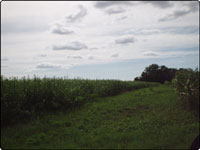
[[25, 98], [100, 75], [149, 117]]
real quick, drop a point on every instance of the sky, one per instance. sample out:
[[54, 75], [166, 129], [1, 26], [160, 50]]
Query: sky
[[97, 39]]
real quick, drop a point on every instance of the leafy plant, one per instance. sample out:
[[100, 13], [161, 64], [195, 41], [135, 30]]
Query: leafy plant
[[186, 83]]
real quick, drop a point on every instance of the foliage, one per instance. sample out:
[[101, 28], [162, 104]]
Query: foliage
[[166, 82], [186, 84], [24, 98], [141, 119], [155, 73]]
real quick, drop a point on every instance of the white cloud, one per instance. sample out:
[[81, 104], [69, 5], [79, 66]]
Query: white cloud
[[77, 16], [160, 4], [58, 29], [105, 4], [91, 57], [43, 55], [115, 10], [48, 66], [174, 15], [23, 24], [70, 46], [93, 48], [125, 40], [122, 18], [4, 66], [190, 8], [150, 53], [159, 30], [4, 59], [75, 57], [115, 55]]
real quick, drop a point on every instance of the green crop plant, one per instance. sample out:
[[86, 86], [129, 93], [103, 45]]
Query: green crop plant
[[24, 98]]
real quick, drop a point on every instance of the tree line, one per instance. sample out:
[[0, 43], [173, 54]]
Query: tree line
[[156, 73]]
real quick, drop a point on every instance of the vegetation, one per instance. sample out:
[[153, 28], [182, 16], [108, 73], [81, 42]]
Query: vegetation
[[148, 118], [186, 84], [155, 73], [74, 113], [24, 98]]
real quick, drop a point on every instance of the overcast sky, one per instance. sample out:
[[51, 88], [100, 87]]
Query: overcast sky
[[103, 40]]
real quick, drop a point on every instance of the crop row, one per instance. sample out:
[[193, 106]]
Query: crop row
[[24, 98]]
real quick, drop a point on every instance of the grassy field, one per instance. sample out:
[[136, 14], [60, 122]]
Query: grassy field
[[145, 118]]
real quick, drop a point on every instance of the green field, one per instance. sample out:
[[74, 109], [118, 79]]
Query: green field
[[151, 117], [25, 98]]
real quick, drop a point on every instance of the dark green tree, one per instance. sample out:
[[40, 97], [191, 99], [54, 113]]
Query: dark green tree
[[156, 73]]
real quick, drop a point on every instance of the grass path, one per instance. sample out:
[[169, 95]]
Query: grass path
[[145, 118]]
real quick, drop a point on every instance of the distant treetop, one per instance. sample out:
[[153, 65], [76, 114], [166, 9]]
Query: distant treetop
[[156, 73]]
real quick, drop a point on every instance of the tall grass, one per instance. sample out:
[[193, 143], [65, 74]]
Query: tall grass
[[24, 98]]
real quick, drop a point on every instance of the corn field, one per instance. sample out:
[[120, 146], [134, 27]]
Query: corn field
[[24, 98]]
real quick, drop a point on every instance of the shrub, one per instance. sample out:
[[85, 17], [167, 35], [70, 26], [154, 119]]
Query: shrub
[[167, 82], [186, 83]]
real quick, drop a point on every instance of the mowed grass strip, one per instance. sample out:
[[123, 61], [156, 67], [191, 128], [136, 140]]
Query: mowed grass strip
[[146, 118]]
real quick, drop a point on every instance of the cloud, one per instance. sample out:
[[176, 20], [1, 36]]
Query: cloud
[[22, 25], [169, 30], [125, 40], [47, 66], [150, 53], [4, 66], [115, 55], [93, 48], [174, 15], [191, 7], [75, 57], [115, 10], [178, 49], [58, 29], [160, 4], [122, 18], [90, 57], [71, 46], [143, 31], [60, 26], [78, 16], [43, 55], [4, 59], [105, 4], [182, 30]]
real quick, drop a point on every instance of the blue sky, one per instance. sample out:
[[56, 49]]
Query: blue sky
[[97, 40]]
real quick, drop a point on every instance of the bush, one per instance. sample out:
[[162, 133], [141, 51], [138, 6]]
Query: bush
[[167, 82], [186, 83]]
